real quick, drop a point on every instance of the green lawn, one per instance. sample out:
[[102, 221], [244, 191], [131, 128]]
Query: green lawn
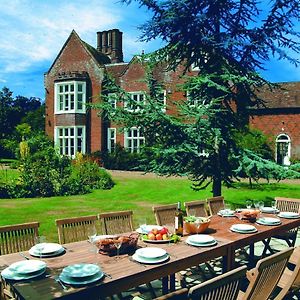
[[137, 193]]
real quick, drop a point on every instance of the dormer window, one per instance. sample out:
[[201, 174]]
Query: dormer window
[[70, 97]]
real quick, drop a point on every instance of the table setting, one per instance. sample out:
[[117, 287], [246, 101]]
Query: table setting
[[243, 228], [201, 240], [45, 250], [150, 255], [269, 221]]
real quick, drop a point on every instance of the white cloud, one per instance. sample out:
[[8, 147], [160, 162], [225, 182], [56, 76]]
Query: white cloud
[[34, 31]]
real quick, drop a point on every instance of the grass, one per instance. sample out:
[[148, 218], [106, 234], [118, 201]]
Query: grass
[[138, 193]]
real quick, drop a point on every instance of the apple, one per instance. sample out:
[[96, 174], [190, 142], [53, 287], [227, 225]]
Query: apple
[[163, 231], [158, 237], [165, 237], [155, 231], [151, 236]]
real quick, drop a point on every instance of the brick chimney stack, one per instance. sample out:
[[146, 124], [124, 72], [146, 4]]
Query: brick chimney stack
[[110, 43]]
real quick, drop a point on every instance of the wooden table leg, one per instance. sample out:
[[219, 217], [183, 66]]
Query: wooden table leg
[[172, 282], [165, 285]]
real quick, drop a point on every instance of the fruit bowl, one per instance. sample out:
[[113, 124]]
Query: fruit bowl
[[190, 227], [249, 215], [107, 245]]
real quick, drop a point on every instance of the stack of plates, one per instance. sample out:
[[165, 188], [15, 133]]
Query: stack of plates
[[81, 274], [288, 215], [24, 269], [201, 240], [269, 210], [150, 255], [145, 229], [243, 228], [268, 221], [226, 213], [47, 250]]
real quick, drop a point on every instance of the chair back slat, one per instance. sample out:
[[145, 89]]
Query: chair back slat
[[165, 214], [75, 229], [19, 237], [288, 204], [264, 278], [225, 286], [196, 208], [215, 204], [116, 222]]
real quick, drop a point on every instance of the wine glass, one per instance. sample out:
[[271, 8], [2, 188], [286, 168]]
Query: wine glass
[[197, 224], [40, 243], [92, 233], [118, 244], [248, 204]]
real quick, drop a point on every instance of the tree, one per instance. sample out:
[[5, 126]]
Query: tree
[[229, 41]]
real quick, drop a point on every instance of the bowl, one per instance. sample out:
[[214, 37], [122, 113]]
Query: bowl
[[191, 227], [250, 215]]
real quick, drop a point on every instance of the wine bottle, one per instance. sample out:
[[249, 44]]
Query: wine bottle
[[179, 220]]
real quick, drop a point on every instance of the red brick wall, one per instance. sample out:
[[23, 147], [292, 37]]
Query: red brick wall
[[275, 124], [75, 58]]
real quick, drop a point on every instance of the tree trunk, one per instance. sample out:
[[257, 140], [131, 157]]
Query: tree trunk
[[217, 187]]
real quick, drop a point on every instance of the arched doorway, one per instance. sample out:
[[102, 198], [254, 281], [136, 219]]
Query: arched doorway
[[283, 149]]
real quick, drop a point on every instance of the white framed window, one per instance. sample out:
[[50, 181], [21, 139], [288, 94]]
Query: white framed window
[[111, 139], [283, 149], [70, 140], [138, 98], [70, 97], [134, 139], [112, 99]]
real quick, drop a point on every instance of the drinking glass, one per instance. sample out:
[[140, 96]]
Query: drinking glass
[[118, 244], [248, 204], [92, 233], [273, 204], [197, 225], [40, 243]]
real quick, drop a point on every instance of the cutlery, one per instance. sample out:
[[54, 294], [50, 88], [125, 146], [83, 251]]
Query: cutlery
[[107, 275], [24, 256], [60, 282]]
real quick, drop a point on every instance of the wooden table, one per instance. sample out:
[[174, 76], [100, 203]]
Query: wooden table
[[126, 273]]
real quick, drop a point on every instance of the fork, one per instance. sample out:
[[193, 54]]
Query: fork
[[60, 282], [23, 255]]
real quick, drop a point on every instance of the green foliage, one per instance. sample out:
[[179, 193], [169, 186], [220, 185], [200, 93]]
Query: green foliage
[[120, 159], [44, 173]]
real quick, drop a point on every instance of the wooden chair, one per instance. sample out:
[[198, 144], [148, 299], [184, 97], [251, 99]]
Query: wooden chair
[[264, 278], [19, 237], [290, 279], [75, 229], [116, 222], [215, 204], [196, 208], [165, 214], [225, 286], [290, 236], [15, 238], [181, 294]]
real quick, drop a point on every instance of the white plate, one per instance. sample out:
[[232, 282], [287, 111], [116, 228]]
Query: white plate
[[288, 215], [37, 254], [26, 267], [201, 239], [11, 275], [156, 241], [80, 270], [201, 245], [49, 248], [269, 210], [152, 261], [151, 252], [268, 221], [240, 231], [226, 213], [79, 281], [147, 228], [243, 227]]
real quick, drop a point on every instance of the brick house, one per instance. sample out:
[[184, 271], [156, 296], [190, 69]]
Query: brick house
[[76, 77]]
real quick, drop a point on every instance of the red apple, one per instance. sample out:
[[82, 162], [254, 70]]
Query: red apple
[[165, 237], [164, 230], [155, 231], [158, 237]]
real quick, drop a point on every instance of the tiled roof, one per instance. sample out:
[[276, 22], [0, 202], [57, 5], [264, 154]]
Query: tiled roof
[[116, 70], [100, 57], [287, 95]]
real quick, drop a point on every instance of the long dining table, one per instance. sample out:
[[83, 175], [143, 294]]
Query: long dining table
[[124, 273]]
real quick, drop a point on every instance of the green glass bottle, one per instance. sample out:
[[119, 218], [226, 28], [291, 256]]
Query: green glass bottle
[[179, 220]]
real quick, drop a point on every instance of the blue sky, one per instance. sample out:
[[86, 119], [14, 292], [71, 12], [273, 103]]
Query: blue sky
[[32, 33]]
